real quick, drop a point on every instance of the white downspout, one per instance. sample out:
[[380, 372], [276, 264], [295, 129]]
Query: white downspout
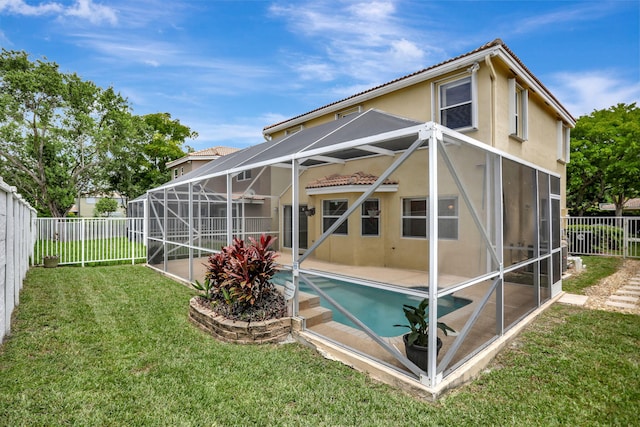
[[492, 73]]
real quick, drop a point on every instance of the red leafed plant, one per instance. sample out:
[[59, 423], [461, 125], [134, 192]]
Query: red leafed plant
[[240, 277]]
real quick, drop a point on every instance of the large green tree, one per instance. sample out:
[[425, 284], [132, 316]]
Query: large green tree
[[62, 137], [605, 159], [55, 131], [140, 164]]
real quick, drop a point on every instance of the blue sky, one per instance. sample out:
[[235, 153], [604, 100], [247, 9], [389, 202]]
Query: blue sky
[[228, 68]]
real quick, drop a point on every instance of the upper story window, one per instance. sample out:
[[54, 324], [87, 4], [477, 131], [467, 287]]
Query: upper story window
[[457, 103], [370, 217], [331, 211], [518, 111], [348, 112], [175, 173], [564, 141], [244, 175], [415, 217], [293, 130]]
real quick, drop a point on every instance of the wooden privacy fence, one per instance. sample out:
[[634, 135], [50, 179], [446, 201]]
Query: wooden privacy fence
[[89, 240], [16, 245], [613, 236]]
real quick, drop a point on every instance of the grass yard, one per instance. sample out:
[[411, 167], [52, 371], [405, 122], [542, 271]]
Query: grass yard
[[597, 267], [119, 250], [113, 346]]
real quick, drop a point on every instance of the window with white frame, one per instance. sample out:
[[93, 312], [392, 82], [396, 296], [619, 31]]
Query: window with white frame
[[564, 141], [415, 217], [331, 211], [175, 173], [244, 175], [518, 110], [344, 113], [448, 217], [370, 217], [456, 103], [293, 130]]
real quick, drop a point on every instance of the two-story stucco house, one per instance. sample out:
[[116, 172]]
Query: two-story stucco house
[[196, 159], [446, 184]]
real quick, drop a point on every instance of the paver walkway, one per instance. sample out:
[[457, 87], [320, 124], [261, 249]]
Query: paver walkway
[[627, 296]]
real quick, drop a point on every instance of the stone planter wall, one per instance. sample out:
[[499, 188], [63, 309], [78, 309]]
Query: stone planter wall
[[268, 331]]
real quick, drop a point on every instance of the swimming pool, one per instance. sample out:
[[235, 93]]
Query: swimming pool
[[377, 308]]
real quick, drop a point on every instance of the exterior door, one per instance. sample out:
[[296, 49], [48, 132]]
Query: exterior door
[[287, 226]]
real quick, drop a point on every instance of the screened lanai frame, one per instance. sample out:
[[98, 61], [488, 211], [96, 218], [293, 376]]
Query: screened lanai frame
[[322, 147]]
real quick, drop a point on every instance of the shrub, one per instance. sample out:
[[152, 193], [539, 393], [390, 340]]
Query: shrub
[[605, 238], [240, 280]]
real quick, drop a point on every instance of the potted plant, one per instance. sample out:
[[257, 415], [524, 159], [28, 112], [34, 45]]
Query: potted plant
[[51, 261], [416, 341]]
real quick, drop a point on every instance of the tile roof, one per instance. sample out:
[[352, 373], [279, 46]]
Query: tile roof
[[206, 154], [631, 204], [358, 178], [214, 151]]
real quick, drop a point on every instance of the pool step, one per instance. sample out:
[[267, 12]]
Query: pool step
[[316, 315], [306, 300]]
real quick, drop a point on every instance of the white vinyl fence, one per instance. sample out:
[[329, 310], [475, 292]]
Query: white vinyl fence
[[89, 240], [16, 245], [612, 236]]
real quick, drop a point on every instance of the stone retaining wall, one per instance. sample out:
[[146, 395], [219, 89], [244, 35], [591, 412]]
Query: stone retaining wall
[[268, 331]]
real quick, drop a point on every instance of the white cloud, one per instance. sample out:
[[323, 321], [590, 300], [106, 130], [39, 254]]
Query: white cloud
[[92, 12], [583, 92], [19, 7], [572, 14], [315, 71], [243, 133], [84, 9], [365, 41]]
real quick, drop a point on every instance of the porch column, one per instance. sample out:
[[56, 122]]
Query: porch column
[[295, 230], [165, 220], [434, 139], [499, 224], [190, 213], [229, 209]]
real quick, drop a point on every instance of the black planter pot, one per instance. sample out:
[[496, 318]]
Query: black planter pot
[[417, 353], [50, 261]]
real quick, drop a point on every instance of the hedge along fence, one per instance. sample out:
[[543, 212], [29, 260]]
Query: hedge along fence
[[604, 238], [16, 245]]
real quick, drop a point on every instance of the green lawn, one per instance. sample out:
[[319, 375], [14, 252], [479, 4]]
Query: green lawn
[[113, 346], [597, 267]]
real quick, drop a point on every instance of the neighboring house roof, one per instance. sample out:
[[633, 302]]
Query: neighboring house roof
[[630, 205], [495, 47], [206, 154], [358, 178]]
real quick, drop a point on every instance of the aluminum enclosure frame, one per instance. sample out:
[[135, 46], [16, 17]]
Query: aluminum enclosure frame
[[429, 135]]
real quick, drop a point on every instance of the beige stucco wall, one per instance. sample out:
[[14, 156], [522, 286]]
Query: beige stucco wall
[[415, 102], [86, 206], [390, 248], [188, 166]]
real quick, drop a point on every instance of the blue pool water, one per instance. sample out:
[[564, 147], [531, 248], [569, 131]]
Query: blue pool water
[[379, 309]]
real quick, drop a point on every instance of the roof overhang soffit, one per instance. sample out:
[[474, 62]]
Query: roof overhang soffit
[[385, 188]]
